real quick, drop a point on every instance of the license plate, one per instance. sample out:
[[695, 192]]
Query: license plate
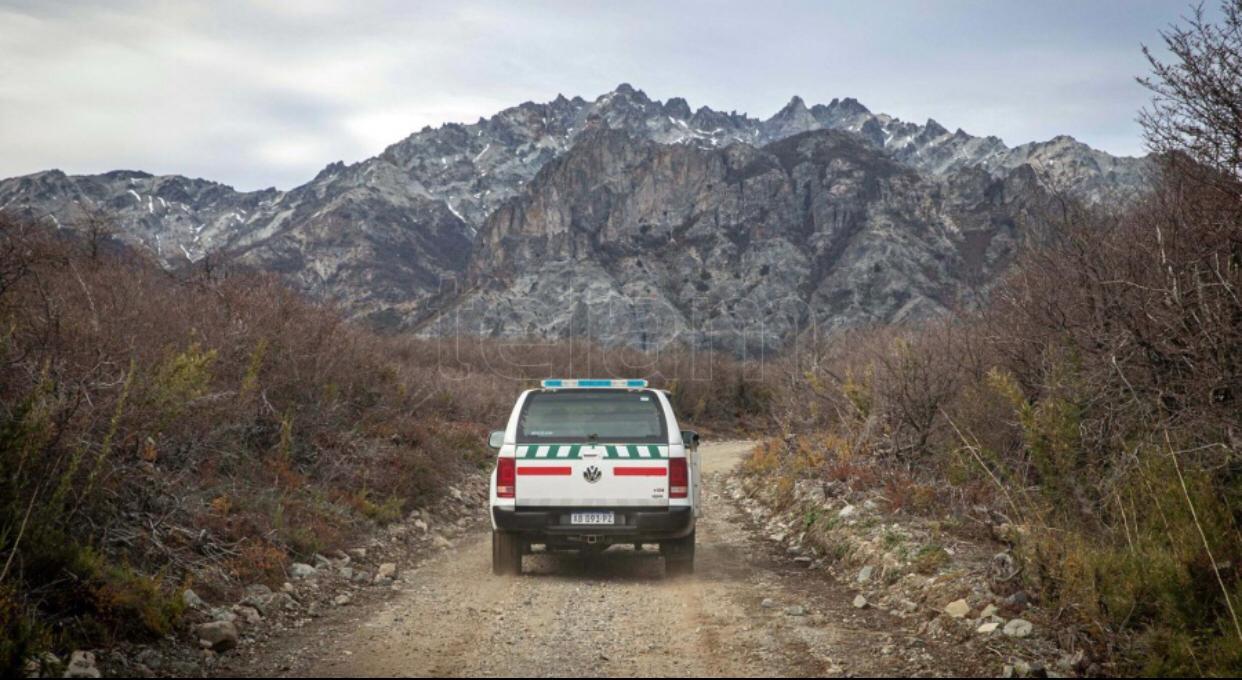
[[591, 518]]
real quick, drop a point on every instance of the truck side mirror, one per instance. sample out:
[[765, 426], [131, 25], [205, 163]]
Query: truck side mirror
[[496, 439], [690, 439]]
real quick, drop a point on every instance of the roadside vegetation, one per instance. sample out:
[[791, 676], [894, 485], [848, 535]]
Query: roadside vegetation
[[157, 433], [1095, 403], [206, 429]]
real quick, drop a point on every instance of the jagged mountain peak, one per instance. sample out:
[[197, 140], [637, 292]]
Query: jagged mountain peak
[[624, 93], [793, 107], [677, 108], [848, 105], [330, 170], [933, 129]]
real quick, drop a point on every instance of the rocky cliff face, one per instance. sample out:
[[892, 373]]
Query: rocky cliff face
[[720, 193], [738, 248]]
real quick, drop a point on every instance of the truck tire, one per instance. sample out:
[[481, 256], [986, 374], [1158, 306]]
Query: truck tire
[[506, 554], [678, 556]]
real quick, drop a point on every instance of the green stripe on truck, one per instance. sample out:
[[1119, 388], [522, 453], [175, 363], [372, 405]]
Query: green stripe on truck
[[574, 451]]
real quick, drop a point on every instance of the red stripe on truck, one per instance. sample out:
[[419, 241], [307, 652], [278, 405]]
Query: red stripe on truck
[[546, 471], [640, 471]]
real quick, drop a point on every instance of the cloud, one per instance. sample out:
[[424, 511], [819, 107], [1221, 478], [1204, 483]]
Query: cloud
[[262, 94]]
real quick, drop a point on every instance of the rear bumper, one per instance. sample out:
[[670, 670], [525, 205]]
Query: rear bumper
[[633, 524]]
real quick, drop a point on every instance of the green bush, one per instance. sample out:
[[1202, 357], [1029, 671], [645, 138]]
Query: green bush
[[124, 603]]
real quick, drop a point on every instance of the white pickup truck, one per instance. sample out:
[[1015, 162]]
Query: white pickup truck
[[586, 464]]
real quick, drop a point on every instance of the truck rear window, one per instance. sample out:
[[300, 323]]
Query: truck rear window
[[582, 416]]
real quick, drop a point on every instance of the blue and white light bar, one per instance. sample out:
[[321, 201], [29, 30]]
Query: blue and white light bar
[[569, 382]]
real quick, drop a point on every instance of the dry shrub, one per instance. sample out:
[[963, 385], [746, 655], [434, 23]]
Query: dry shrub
[[259, 561], [904, 493], [480, 375], [156, 429]]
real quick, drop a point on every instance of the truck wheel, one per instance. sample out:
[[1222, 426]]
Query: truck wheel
[[678, 556], [506, 554]]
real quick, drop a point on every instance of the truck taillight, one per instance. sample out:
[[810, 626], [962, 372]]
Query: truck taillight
[[506, 478], [678, 478]]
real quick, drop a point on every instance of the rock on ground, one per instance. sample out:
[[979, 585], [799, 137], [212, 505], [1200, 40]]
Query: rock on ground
[[1019, 628], [192, 600], [300, 570], [957, 609], [387, 572], [82, 665], [218, 636]]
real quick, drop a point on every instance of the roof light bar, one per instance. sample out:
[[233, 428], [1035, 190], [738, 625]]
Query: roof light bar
[[579, 383]]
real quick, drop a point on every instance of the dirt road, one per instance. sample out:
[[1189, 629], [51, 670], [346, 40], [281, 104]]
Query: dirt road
[[747, 611]]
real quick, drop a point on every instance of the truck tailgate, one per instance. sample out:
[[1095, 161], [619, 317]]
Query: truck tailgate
[[586, 475]]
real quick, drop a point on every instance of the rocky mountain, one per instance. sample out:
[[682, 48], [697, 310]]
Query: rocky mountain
[[737, 248], [383, 236]]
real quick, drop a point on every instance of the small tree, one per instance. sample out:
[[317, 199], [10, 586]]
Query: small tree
[[96, 227], [1195, 118], [15, 252]]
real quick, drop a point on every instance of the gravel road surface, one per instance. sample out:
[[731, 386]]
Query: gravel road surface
[[747, 611]]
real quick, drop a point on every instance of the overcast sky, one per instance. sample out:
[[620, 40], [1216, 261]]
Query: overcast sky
[[266, 93]]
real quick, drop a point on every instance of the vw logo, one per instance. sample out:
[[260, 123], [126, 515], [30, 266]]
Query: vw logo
[[592, 474]]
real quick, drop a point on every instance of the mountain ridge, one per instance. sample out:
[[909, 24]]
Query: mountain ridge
[[381, 235]]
